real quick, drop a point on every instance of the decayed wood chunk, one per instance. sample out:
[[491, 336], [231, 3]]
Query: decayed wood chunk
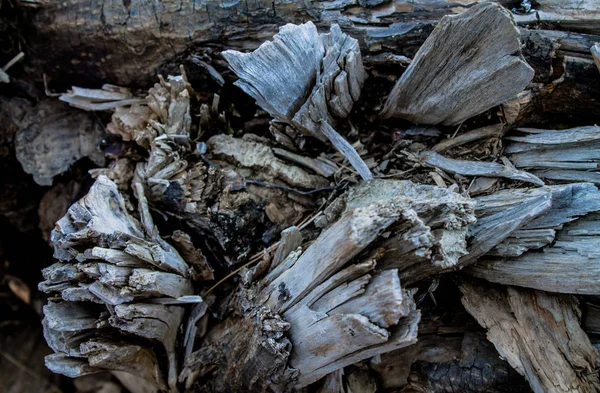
[[543, 211], [306, 80], [55, 136], [108, 259], [470, 63], [569, 265], [539, 334], [570, 154], [331, 288]]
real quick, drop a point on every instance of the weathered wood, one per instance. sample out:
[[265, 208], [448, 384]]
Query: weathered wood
[[570, 265], [539, 334], [569, 154], [476, 68], [51, 128], [566, 204], [470, 136], [472, 168], [113, 248], [306, 80]]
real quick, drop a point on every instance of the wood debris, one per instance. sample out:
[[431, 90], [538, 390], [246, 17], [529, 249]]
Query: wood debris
[[107, 98], [463, 68], [471, 168], [106, 258], [226, 247], [565, 155], [298, 78], [54, 127], [539, 334]]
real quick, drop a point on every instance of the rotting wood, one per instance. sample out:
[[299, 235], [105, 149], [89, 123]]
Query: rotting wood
[[306, 80], [569, 265], [539, 334], [191, 183], [316, 290], [564, 155], [53, 127], [471, 168], [97, 228], [444, 83]]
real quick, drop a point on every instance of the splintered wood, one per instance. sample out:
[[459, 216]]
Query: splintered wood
[[306, 80], [221, 251], [539, 334], [470, 63]]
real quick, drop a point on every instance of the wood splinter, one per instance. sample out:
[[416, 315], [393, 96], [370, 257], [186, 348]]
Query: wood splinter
[[299, 80]]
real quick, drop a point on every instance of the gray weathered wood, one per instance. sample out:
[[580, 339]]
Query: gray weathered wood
[[570, 265], [470, 63], [539, 334], [470, 136], [570, 154], [306, 80], [477, 168]]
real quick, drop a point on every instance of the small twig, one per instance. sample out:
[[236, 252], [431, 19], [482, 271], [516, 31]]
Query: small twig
[[14, 61]]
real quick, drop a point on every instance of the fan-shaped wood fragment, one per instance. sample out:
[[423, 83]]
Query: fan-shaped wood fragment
[[305, 79], [470, 63]]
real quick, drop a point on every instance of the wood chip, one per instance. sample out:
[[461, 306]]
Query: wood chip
[[470, 63]]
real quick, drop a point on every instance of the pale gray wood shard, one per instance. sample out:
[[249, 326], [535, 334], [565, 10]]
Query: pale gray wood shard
[[260, 157], [539, 334], [155, 322], [153, 283], [131, 358], [71, 367], [471, 62], [569, 154], [476, 168], [570, 265], [191, 327], [596, 54], [107, 98], [55, 137], [291, 239], [344, 147], [567, 203], [305, 79]]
